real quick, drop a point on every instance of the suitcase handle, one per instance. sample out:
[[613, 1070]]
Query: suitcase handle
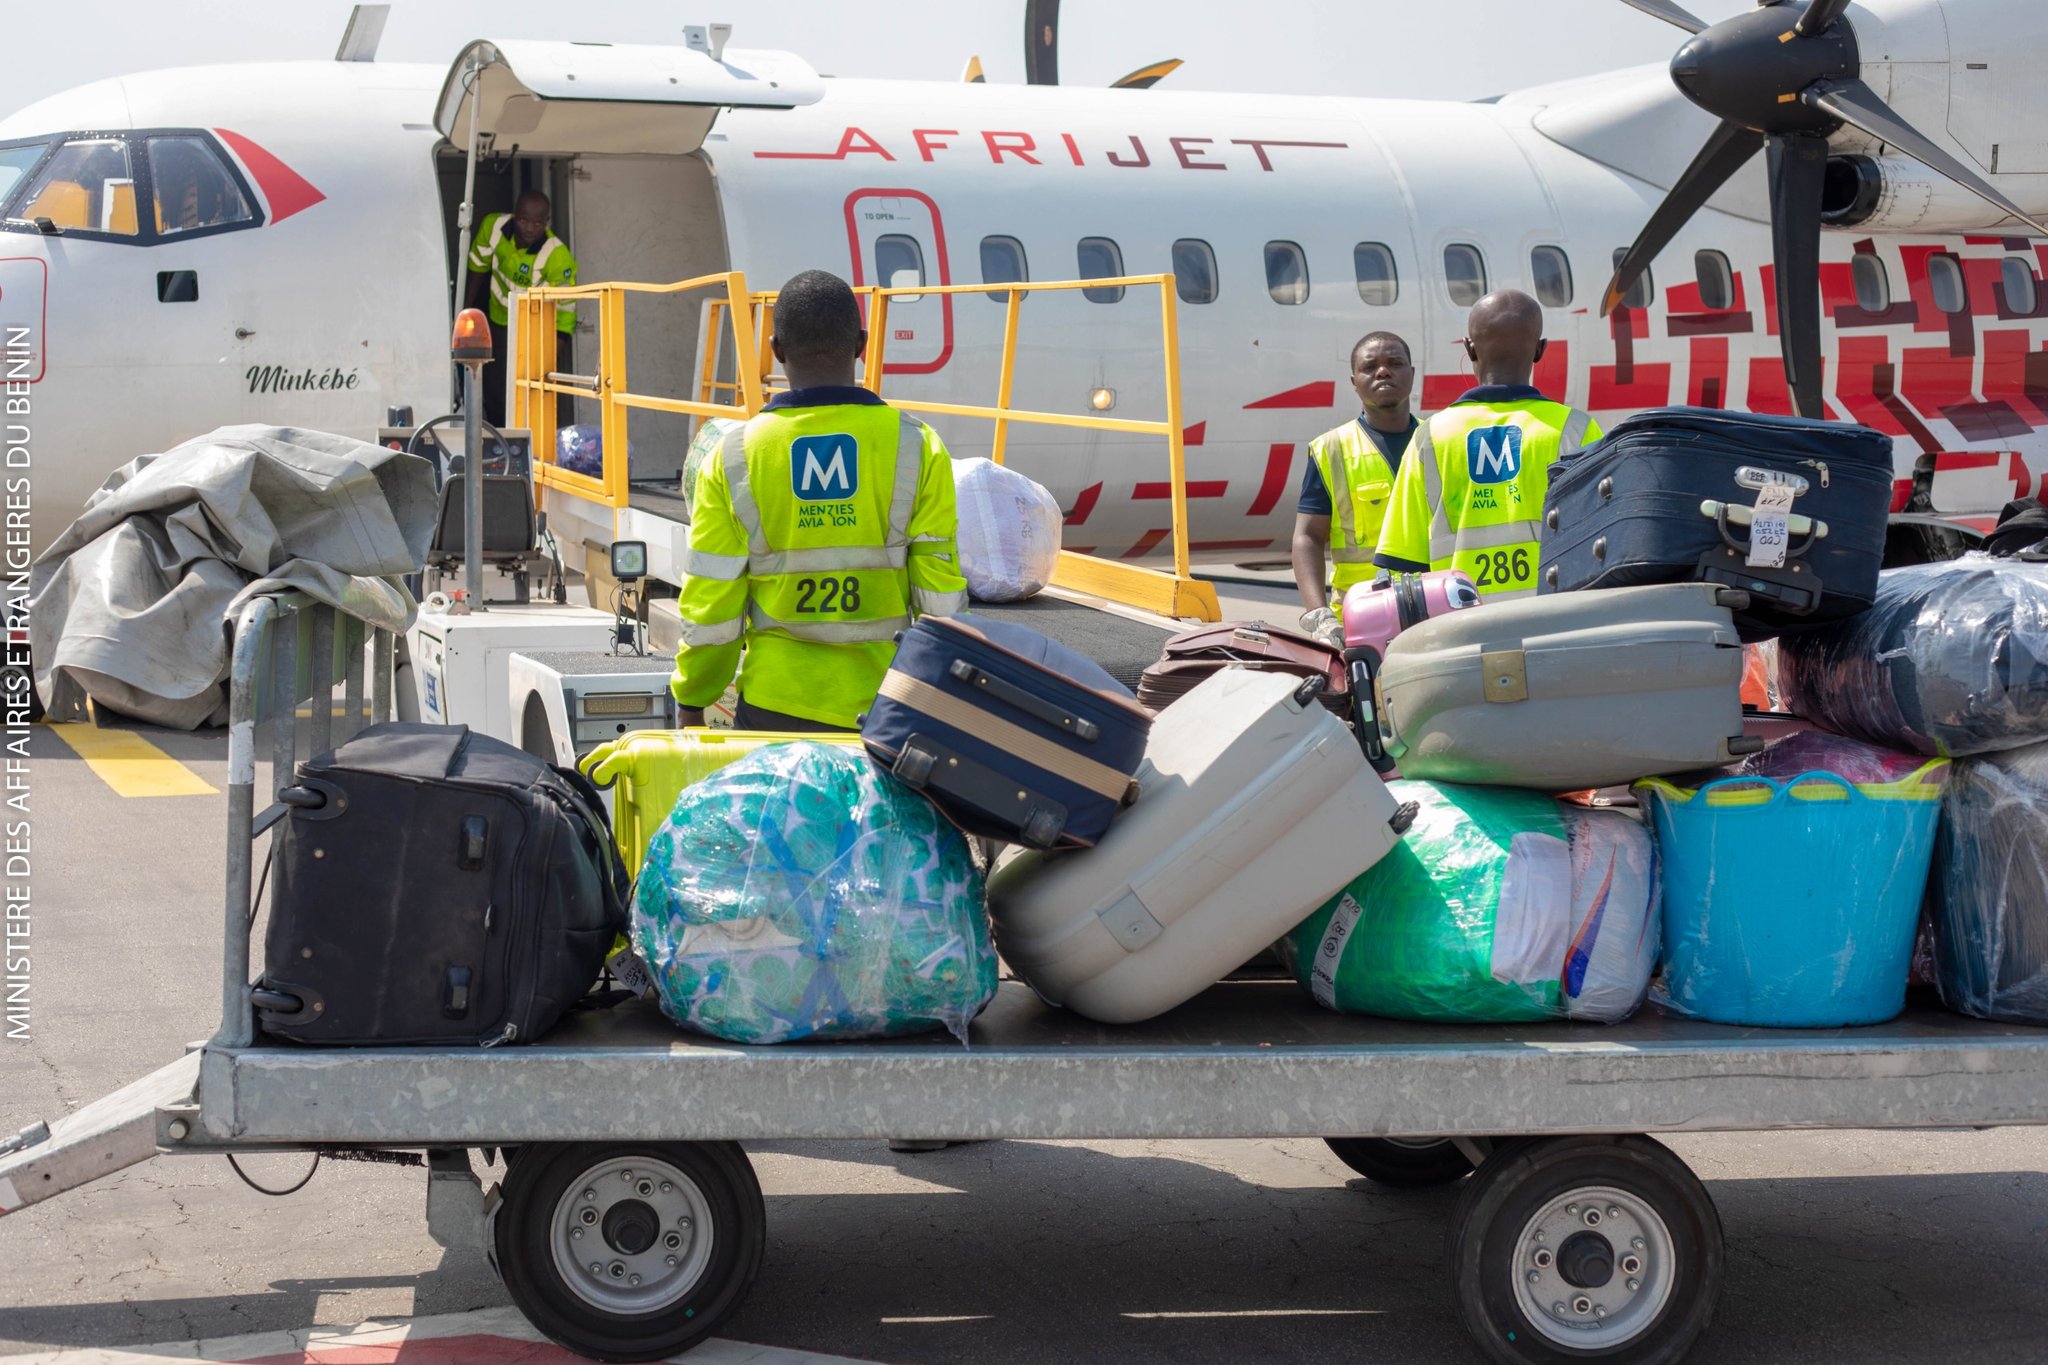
[[1080, 727], [928, 766], [1363, 662], [1726, 514]]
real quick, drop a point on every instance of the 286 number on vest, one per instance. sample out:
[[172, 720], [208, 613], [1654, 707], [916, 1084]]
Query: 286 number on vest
[[815, 595], [1499, 568]]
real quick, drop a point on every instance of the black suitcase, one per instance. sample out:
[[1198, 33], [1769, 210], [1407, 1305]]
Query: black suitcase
[[1669, 497], [1011, 735], [430, 885]]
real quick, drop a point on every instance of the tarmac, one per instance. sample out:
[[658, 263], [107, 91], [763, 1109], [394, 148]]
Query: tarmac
[[1842, 1246]]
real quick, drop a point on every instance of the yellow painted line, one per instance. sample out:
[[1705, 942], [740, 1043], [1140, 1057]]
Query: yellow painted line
[[130, 764]]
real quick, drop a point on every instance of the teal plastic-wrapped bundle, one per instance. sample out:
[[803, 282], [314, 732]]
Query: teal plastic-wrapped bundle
[[1497, 906], [800, 893]]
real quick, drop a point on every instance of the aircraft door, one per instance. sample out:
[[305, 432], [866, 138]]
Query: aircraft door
[[24, 309], [898, 238]]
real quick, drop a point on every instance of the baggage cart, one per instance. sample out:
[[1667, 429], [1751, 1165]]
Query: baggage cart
[[629, 1222]]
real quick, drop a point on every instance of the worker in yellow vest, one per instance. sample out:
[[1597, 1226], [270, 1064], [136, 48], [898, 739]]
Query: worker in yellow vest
[[1469, 494], [1350, 475], [511, 251], [819, 530]]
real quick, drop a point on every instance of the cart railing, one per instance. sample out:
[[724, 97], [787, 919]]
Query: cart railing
[[290, 653]]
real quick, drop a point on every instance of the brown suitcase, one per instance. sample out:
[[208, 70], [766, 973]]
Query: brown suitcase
[[1190, 658]]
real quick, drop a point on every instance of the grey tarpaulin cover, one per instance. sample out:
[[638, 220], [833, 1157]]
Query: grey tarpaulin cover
[[129, 606]]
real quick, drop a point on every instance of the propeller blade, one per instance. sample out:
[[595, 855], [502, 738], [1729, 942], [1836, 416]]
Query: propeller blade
[[1042, 42], [1730, 146], [1856, 104], [1145, 77], [1799, 163], [1670, 14], [1820, 16]]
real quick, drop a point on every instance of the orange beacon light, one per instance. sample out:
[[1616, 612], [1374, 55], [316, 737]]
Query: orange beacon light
[[472, 341]]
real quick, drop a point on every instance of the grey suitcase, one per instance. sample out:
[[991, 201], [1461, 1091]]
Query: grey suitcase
[[1570, 691]]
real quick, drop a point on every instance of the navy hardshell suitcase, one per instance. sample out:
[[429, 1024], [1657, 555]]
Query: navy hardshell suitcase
[[1013, 736], [1670, 495]]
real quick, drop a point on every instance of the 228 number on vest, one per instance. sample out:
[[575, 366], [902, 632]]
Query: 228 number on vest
[[1500, 568], [816, 595]]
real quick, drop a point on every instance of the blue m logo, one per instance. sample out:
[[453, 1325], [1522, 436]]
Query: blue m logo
[[824, 468], [1494, 454]]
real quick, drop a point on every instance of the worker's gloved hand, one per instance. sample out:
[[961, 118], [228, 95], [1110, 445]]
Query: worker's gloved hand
[[1325, 625]]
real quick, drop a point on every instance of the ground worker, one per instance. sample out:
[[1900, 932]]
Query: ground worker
[[817, 532], [1469, 494], [1350, 475], [516, 251]]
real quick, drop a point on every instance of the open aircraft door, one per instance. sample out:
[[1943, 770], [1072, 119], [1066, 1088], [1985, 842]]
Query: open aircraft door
[[572, 99]]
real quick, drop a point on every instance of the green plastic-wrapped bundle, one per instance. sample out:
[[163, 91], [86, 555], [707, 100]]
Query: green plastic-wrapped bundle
[[1497, 906], [800, 893]]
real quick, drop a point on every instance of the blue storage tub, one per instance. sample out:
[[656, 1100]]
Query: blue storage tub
[[1793, 903]]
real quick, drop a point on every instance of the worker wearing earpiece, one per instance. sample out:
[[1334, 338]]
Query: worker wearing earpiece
[[1350, 476], [818, 531], [1469, 493]]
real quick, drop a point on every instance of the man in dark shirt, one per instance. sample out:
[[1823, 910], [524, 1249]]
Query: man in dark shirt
[[1349, 478]]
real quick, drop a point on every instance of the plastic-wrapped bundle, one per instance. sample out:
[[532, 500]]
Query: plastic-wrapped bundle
[[1951, 660], [801, 893], [1009, 531], [710, 436], [1989, 893], [580, 449], [1498, 906]]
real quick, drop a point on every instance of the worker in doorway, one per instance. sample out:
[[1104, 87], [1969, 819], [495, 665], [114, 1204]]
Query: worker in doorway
[[817, 531], [517, 251], [1350, 475], [1469, 494]]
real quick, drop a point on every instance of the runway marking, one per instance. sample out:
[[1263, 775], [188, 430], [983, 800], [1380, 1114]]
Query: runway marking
[[495, 1336], [130, 764], [1257, 1313]]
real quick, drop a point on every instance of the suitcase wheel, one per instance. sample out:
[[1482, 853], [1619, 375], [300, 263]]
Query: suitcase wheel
[[914, 766], [1042, 830], [1404, 816], [1309, 690], [1735, 599]]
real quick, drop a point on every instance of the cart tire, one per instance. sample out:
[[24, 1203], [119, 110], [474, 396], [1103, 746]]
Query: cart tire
[[1403, 1163], [1552, 1233], [629, 1250]]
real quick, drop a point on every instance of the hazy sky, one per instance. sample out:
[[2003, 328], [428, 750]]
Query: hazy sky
[[1453, 49]]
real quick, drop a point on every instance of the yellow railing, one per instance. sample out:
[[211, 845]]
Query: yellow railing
[[536, 383], [1177, 594]]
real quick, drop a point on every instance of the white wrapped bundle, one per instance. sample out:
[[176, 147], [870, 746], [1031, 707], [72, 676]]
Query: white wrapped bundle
[[1009, 531]]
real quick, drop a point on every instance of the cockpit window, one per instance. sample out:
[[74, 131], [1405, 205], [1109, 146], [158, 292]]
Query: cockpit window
[[16, 162], [193, 187], [88, 186]]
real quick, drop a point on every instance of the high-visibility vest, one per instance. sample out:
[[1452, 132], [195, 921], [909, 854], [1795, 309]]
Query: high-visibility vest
[[512, 267], [817, 534], [1470, 492], [1360, 480]]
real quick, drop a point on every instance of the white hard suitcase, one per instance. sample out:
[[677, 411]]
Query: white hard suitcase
[[1255, 804]]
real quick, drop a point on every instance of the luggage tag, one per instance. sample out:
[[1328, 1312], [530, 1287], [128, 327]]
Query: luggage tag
[[628, 970], [1770, 527]]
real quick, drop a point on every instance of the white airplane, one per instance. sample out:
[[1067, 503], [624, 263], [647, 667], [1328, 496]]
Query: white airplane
[[275, 242]]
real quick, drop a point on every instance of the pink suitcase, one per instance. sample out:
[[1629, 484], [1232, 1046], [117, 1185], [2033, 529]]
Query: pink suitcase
[[1374, 613]]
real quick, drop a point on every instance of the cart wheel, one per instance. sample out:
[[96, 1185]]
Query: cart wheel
[[1403, 1163], [629, 1250], [1585, 1248]]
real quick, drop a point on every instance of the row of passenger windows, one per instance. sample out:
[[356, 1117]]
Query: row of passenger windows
[[899, 261]]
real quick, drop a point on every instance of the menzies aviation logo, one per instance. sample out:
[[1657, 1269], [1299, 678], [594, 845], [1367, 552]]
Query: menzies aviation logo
[[824, 468], [1494, 454]]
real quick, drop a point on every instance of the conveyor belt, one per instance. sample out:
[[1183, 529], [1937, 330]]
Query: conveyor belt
[[1123, 646]]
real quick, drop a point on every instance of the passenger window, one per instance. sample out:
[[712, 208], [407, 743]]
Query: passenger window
[[1286, 273], [1716, 280], [1945, 273], [1002, 261], [1194, 271], [2022, 292], [1101, 259], [1643, 292], [899, 264], [87, 186], [16, 162], [1873, 285], [193, 186], [1378, 283], [1464, 274], [1551, 272]]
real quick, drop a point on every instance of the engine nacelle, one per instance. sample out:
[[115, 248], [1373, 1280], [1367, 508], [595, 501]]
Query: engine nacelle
[[1893, 194]]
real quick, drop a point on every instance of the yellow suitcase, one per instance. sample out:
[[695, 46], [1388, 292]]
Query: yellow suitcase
[[651, 767]]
